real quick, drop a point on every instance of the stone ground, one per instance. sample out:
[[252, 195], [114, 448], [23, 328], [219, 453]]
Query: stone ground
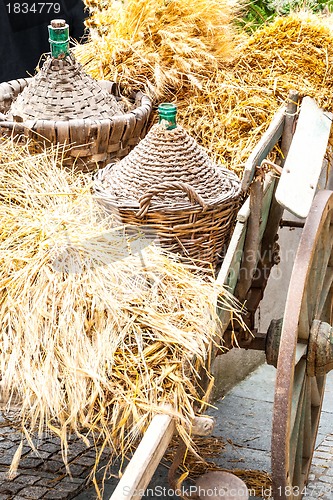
[[243, 422]]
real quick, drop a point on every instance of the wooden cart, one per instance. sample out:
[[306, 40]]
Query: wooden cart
[[300, 345]]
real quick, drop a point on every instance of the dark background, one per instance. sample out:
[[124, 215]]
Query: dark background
[[24, 36]]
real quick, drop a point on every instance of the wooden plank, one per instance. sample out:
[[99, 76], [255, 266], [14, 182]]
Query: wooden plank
[[300, 175], [266, 203], [263, 148], [145, 460], [229, 271], [244, 212], [252, 241]]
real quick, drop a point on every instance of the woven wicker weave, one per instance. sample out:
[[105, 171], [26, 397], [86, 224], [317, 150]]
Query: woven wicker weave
[[62, 104], [63, 91], [169, 184]]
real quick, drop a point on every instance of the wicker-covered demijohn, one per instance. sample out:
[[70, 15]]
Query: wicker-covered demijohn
[[64, 105], [169, 184]]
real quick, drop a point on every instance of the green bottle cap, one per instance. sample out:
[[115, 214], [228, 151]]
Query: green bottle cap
[[167, 113], [59, 38]]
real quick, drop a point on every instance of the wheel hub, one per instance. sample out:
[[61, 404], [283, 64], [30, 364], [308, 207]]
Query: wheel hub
[[320, 349], [273, 339], [319, 359]]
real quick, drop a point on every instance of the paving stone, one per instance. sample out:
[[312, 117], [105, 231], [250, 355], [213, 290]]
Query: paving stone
[[318, 489], [77, 470], [320, 461], [325, 426], [52, 466], [259, 385], [83, 460], [6, 444], [322, 455], [50, 447], [69, 486], [41, 454], [233, 457], [6, 430], [26, 479], [7, 458], [34, 492], [327, 479], [244, 422], [78, 448], [30, 463], [59, 495], [10, 487], [48, 482]]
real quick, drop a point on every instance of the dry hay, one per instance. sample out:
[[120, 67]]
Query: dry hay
[[232, 111], [235, 101], [95, 339], [163, 47]]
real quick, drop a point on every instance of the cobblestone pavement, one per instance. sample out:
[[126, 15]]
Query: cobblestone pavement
[[42, 475], [243, 421], [321, 474]]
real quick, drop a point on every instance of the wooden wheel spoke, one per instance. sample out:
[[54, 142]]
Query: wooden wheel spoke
[[315, 393], [318, 271], [301, 350], [326, 293], [297, 421], [298, 391], [326, 312], [307, 448], [298, 464], [305, 320]]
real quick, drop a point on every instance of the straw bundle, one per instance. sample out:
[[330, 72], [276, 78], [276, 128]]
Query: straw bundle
[[95, 337], [235, 101], [234, 109], [164, 46]]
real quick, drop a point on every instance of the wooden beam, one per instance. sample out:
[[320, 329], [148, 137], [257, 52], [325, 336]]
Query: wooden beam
[[263, 148], [146, 458]]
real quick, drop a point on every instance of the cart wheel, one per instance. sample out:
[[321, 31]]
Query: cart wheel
[[298, 395]]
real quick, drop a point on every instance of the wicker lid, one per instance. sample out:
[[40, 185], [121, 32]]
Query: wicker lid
[[173, 159], [62, 90]]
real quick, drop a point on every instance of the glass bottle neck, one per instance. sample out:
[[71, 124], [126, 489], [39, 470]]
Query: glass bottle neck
[[167, 114], [59, 41]]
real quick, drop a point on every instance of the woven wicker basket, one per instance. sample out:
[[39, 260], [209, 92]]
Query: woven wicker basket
[[63, 105], [169, 185]]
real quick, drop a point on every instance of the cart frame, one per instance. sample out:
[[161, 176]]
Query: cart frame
[[252, 252]]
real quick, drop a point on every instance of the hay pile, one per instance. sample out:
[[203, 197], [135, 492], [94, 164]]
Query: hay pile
[[235, 108], [235, 100], [95, 337], [164, 47]]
